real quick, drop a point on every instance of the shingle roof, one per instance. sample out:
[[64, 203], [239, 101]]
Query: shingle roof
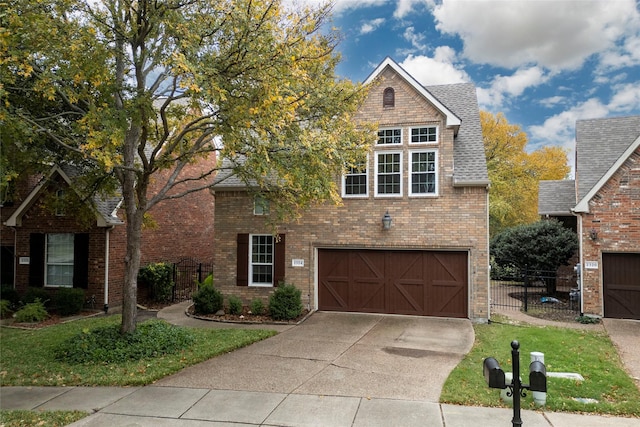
[[599, 144], [556, 198], [470, 165]]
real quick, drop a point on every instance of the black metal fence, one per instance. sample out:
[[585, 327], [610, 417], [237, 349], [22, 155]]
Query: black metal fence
[[187, 273], [530, 291]]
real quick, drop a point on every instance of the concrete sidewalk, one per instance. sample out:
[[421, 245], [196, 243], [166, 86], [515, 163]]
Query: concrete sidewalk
[[195, 407]]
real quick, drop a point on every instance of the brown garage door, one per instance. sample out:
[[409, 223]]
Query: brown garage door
[[621, 284], [420, 283]]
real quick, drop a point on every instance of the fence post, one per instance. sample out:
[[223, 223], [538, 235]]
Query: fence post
[[526, 286], [200, 272]]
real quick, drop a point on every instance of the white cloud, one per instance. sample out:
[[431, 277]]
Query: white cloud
[[625, 99], [371, 26], [505, 87], [416, 39], [558, 34], [440, 69], [552, 101], [405, 7]]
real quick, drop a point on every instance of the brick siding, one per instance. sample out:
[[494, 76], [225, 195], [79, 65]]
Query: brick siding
[[615, 217]]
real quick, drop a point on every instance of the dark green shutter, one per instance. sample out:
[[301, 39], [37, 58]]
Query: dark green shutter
[[242, 260], [36, 259], [81, 260]]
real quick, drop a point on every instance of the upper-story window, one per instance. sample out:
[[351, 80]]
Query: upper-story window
[[422, 135], [260, 206], [389, 98], [389, 173], [59, 203], [424, 175], [355, 181], [389, 136]]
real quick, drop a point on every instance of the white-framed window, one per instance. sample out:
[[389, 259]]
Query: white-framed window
[[424, 135], [388, 173], [389, 136], [59, 256], [261, 256], [423, 173], [260, 206], [60, 202], [355, 181]]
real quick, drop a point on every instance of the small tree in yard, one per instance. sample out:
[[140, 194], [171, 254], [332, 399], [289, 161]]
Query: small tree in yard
[[543, 245], [134, 91]]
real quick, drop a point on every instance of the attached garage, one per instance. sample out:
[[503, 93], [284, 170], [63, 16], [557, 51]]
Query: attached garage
[[423, 283], [621, 285]]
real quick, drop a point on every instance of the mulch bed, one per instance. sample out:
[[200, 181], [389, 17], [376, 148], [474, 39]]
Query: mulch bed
[[246, 317]]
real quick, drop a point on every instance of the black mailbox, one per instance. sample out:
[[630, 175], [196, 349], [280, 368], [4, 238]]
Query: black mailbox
[[493, 374], [537, 376]]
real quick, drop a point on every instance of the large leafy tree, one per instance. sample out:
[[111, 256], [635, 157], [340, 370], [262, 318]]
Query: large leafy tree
[[515, 173], [144, 88]]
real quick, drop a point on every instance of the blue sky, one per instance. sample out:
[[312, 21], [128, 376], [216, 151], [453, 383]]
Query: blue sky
[[543, 63]]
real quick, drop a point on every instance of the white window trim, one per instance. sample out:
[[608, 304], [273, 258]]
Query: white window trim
[[428, 142], [264, 203], [392, 144], [273, 264], [410, 173], [356, 196], [46, 262], [395, 195]]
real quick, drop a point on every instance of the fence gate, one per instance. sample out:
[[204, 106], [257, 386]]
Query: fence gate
[[187, 273], [536, 291]]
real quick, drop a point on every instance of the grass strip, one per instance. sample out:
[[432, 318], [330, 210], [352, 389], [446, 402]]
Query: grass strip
[[588, 353], [28, 356], [19, 418]]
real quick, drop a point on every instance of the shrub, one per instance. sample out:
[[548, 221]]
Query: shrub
[[32, 312], [159, 277], [9, 294], [257, 306], [285, 303], [107, 345], [69, 301], [235, 305], [207, 300], [34, 294], [5, 308], [543, 245]]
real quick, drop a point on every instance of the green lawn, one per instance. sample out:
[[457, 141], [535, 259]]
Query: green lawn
[[588, 353], [40, 419], [27, 356]]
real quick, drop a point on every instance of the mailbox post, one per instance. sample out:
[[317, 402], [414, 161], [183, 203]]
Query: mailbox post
[[495, 378]]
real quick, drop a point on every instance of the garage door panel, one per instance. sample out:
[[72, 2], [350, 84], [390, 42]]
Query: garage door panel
[[407, 297], [446, 298], [367, 295], [401, 282]]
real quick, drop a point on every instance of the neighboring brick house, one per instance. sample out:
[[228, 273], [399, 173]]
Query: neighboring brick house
[[47, 248], [427, 171], [606, 201]]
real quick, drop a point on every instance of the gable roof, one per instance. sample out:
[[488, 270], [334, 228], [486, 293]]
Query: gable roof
[[451, 119], [556, 198], [105, 208], [470, 162], [602, 146]]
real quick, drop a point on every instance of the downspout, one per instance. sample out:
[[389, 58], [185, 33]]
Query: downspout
[[106, 270], [581, 258]]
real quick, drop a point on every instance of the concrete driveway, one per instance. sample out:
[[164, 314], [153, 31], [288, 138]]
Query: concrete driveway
[[342, 354]]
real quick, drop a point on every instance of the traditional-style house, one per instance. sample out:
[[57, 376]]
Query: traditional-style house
[[411, 236], [605, 199]]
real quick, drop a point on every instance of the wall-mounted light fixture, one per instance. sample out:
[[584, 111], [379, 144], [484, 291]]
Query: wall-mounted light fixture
[[386, 221], [593, 234]]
